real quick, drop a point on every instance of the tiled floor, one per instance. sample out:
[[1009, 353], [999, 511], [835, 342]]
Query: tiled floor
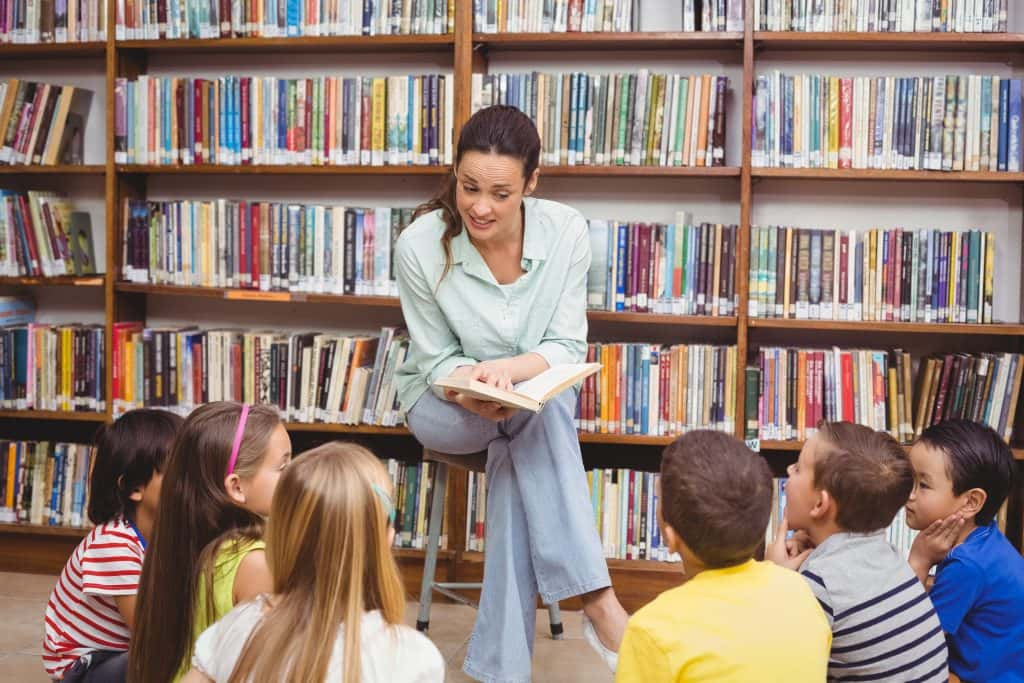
[[23, 599]]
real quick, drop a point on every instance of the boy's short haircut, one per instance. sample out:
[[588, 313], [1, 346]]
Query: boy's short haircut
[[717, 495], [976, 457], [867, 473], [128, 453]]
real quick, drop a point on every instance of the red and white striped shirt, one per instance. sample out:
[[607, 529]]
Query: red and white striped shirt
[[81, 615]]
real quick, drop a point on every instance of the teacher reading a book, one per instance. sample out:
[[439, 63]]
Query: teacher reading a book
[[493, 287]]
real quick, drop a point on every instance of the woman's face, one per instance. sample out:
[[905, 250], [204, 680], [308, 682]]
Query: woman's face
[[489, 191]]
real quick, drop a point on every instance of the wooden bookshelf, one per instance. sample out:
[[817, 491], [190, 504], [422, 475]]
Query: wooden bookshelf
[[1003, 43], [44, 530], [41, 549]]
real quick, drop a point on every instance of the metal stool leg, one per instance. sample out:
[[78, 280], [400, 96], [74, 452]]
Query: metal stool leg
[[555, 619], [433, 543]]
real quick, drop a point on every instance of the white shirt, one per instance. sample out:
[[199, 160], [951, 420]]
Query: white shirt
[[388, 654]]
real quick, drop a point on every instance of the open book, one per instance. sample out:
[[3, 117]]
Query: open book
[[529, 395]]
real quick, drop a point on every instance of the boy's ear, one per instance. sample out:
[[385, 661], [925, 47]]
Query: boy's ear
[[824, 506], [233, 487], [973, 500]]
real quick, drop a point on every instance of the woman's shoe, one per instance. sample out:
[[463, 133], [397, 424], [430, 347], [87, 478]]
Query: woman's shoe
[[611, 659]]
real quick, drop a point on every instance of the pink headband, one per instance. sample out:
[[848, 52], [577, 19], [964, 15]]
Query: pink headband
[[238, 437]]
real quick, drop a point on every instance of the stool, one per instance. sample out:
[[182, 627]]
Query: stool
[[475, 462]]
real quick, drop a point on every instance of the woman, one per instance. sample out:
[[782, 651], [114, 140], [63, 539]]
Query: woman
[[493, 287]]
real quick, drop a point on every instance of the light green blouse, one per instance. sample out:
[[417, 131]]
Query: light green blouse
[[469, 317]]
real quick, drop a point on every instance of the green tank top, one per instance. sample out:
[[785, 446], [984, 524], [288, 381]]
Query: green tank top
[[229, 557]]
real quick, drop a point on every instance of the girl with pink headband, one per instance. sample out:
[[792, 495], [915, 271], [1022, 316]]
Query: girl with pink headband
[[207, 552]]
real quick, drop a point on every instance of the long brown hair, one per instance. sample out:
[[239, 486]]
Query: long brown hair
[[327, 548], [499, 129], [195, 514]]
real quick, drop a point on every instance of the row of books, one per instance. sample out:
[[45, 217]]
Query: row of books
[[231, 120], [262, 245], [310, 377], [44, 483], [52, 367], [903, 275], [176, 19], [412, 486], [555, 16], [713, 15], [947, 123], [632, 119], [656, 389], [677, 268], [37, 236], [40, 122], [798, 387], [50, 21], [927, 16]]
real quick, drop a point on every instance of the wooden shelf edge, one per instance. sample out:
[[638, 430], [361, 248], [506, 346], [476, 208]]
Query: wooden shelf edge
[[477, 557], [993, 329], [662, 319], [53, 50], [58, 281], [875, 174], [281, 169], [657, 40], [64, 169], [825, 40], [417, 554], [641, 171], [43, 530], [55, 415], [403, 43]]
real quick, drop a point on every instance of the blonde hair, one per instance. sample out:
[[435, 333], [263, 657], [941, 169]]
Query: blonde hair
[[327, 548]]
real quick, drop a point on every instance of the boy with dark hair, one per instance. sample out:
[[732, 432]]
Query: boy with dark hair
[[843, 491], [963, 472], [733, 619]]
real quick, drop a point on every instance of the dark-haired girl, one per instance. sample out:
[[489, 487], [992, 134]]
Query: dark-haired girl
[[90, 614], [493, 287]]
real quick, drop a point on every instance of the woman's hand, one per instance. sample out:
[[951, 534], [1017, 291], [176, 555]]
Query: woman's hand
[[495, 373]]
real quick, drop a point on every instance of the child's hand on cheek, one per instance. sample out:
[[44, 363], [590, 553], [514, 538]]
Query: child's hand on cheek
[[933, 543], [789, 553]]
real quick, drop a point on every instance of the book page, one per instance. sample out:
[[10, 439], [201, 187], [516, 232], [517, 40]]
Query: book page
[[547, 383]]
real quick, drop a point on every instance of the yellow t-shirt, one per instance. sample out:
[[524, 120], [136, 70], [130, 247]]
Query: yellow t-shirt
[[229, 556], [752, 622]]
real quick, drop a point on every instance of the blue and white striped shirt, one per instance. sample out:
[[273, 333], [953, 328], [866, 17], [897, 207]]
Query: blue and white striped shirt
[[883, 625]]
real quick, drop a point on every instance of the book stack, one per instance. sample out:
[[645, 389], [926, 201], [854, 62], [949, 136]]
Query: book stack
[[935, 16], [176, 19], [412, 490], [624, 503], [624, 119], [241, 120], [879, 274], [36, 236], [713, 15], [41, 123], [52, 367], [942, 123], [29, 22], [658, 390], [310, 377], [269, 246], [44, 483], [797, 388], [680, 268], [555, 16]]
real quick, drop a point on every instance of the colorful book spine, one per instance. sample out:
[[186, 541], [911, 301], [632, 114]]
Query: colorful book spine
[[44, 483]]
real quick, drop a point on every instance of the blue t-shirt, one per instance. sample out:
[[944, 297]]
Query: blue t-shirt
[[979, 597]]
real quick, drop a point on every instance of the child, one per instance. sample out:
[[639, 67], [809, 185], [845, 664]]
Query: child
[[843, 492], [90, 614], [734, 619], [963, 472], [207, 553], [336, 608]]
